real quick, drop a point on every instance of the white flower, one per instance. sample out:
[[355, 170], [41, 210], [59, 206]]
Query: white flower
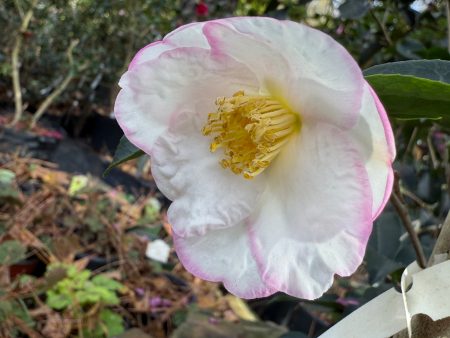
[[275, 151], [158, 250]]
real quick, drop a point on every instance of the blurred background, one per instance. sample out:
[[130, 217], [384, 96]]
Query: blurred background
[[83, 255]]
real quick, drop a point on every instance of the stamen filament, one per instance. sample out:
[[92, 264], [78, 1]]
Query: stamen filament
[[252, 130]]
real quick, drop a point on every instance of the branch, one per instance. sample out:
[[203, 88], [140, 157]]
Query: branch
[[404, 216], [19, 8], [59, 89], [382, 28], [23, 327], [448, 24], [442, 245], [15, 63]]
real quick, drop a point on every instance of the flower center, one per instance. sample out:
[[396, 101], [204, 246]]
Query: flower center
[[252, 130]]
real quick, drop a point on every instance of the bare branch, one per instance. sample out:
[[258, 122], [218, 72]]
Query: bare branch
[[15, 62], [60, 88], [448, 24], [442, 245], [402, 211], [19, 8]]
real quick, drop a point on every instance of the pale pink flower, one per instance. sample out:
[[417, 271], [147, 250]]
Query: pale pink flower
[[302, 151]]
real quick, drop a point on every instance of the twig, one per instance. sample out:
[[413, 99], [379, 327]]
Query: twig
[[58, 90], [431, 150], [19, 8], [15, 63], [410, 142], [445, 161], [382, 28], [23, 327], [404, 216], [417, 200], [448, 24], [442, 245]]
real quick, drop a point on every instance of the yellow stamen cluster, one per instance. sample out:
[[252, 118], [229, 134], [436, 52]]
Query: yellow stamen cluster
[[252, 131]]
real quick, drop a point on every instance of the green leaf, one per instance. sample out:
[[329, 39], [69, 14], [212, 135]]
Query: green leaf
[[409, 48], [151, 232], [7, 177], [125, 151], [78, 184], [5, 309], [416, 89], [112, 321], [57, 301], [409, 97], [20, 310], [8, 191], [436, 70], [11, 252], [107, 283], [354, 9], [85, 297], [108, 297]]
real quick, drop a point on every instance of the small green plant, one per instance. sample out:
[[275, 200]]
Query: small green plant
[[86, 299]]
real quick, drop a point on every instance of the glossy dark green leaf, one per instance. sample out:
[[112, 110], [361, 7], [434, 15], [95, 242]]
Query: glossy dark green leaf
[[379, 265], [354, 9], [410, 48], [125, 151], [415, 89], [410, 97], [383, 247], [436, 70]]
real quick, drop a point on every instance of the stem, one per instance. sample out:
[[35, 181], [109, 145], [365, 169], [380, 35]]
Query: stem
[[442, 245], [15, 62], [404, 216], [431, 150], [19, 8], [58, 90], [23, 327], [410, 142], [382, 28], [448, 24]]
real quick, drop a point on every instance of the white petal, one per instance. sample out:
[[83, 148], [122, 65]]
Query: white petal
[[182, 80], [150, 52], [223, 256], [321, 79], [190, 35], [315, 216], [269, 65], [374, 139], [205, 195], [158, 250]]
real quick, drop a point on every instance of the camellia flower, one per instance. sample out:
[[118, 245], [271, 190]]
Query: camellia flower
[[274, 150], [201, 9]]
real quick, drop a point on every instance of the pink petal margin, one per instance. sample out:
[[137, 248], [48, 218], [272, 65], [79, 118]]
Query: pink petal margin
[[391, 148], [198, 271], [150, 45], [127, 132], [164, 41]]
